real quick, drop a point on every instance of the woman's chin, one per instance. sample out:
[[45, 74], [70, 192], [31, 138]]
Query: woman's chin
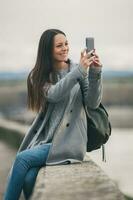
[[63, 60]]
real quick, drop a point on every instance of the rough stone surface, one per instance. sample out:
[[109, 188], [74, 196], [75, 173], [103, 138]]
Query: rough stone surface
[[85, 181]]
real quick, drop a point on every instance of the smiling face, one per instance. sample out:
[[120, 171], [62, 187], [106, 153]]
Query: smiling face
[[60, 48]]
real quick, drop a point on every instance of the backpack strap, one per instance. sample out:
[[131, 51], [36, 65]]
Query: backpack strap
[[103, 153]]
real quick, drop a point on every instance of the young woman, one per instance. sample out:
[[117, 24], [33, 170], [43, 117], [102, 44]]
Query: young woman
[[58, 134]]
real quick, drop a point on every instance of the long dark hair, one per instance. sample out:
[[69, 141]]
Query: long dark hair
[[42, 73]]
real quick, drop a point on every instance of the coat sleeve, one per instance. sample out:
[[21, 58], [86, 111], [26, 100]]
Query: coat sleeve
[[92, 87], [58, 91]]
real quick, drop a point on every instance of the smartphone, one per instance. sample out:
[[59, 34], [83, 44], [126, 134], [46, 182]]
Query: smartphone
[[89, 43]]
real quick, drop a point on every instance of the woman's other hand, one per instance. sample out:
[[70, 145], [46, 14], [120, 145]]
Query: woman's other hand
[[96, 61]]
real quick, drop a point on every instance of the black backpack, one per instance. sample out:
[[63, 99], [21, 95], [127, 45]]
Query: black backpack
[[98, 128]]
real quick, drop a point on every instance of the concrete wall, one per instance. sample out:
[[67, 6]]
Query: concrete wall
[[85, 181]]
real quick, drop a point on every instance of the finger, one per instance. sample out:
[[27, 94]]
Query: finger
[[97, 59], [98, 63], [92, 58], [83, 52], [88, 63], [96, 55], [90, 53], [91, 62]]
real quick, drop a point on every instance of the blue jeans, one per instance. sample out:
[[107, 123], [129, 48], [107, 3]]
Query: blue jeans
[[24, 172]]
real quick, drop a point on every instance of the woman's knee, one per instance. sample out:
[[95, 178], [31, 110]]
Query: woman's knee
[[30, 179], [31, 174], [20, 158]]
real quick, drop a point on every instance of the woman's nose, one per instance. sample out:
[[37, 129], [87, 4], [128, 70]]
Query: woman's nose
[[64, 47]]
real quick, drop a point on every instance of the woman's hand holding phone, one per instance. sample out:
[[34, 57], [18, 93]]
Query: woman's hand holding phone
[[90, 58], [96, 61]]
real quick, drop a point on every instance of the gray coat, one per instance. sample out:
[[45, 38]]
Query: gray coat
[[70, 138]]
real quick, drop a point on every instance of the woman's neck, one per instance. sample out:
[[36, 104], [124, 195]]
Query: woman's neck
[[60, 65]]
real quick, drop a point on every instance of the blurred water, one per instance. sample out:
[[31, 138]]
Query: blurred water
[[119, 154]]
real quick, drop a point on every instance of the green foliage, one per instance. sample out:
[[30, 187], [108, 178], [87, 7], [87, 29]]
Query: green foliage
[[118, 80], [12, 138], [12, 82], [128, 198]]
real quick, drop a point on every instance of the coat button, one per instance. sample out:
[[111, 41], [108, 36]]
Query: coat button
[[67, 124], [70, 110]]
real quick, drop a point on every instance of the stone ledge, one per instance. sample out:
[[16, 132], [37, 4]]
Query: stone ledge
[[85, 181]]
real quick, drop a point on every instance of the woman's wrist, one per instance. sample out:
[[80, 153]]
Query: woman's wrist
[[95, 69], [95, 72], [83, 70]]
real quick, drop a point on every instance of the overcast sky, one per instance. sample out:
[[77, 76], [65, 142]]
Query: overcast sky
[[109, 21]]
